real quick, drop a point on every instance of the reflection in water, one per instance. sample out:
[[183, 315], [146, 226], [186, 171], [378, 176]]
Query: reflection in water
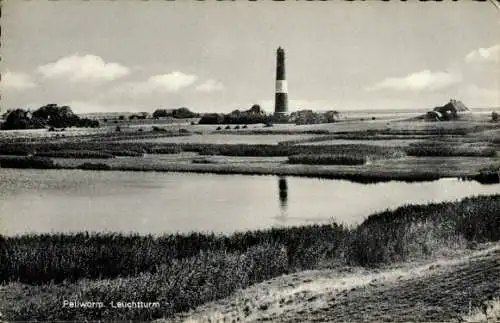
[[42, 201], [283, 196]]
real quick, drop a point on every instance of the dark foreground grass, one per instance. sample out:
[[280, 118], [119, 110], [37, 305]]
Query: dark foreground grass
[[183, 271], [175, 287]]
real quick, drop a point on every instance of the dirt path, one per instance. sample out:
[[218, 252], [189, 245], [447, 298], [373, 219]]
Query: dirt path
[[441, 290]]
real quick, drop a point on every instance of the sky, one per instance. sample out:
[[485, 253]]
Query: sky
[[218, 56]]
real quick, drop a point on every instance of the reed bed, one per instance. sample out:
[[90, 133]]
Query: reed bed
[[248, 150], [94, 166], [178, 286], [36, 259], [75, 154], [443, 149], [328, 159], [43, 258], [489, 175], [289, 150], [185, 270]]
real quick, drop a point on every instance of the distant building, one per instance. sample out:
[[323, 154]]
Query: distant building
[[450, 111]]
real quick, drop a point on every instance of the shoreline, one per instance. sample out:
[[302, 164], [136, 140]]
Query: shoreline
[[371, 173]]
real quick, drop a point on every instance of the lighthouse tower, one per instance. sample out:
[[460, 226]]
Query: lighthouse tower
[[281, 96]]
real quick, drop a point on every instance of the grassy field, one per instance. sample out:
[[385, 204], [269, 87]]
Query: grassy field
[[184, 271], [362, 151], [484, 169]]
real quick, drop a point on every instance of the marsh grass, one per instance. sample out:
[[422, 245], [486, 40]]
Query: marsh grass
[[27, 162], [445, 149], [413, 230], [285, 150], [179, 286], [332, 159], [94, 166]]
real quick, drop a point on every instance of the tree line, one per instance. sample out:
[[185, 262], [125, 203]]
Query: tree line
[[50, 115]]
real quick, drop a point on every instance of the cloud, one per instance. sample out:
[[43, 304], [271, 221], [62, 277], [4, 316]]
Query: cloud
[[17, 81], [171, 82], [421, 81], [210, 86], [481, 97], [86, 68], [484, 55], [94, 106]]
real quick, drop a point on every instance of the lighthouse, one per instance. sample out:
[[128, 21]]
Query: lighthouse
[[281, 95]]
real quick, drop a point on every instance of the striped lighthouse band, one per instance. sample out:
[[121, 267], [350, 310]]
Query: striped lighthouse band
[[281, 86]]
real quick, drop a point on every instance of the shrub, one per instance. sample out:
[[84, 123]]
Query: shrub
[[125, 153], [212, 118], [494, 116], [227, 127], [118, 129], [489, 175], [219, 128]]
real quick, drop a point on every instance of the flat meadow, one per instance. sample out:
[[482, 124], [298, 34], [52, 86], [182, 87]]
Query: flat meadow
[[183, 271]]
